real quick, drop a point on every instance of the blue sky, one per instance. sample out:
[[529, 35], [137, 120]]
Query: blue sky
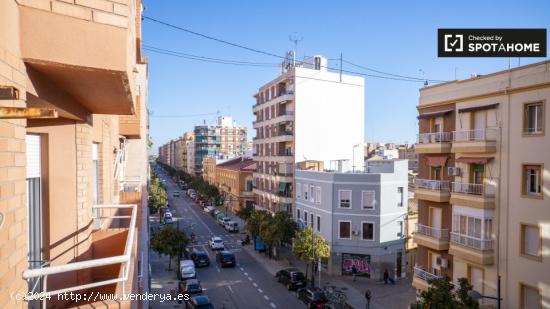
[[392, 36]]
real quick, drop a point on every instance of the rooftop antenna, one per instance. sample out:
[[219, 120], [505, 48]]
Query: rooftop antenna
[[423, 73], [295, 39]]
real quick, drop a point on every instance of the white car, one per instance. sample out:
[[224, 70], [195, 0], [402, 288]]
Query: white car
[[216, 243], [187, 270]]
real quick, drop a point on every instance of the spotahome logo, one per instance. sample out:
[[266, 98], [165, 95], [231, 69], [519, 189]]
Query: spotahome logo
[[491, 42]]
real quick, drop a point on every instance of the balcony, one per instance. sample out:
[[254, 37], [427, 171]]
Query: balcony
[[109, 268], [431, 237], [77, 53], [439, 142], [473, 249], [421, 278], [473, 195], [475, 141], [432, 190]]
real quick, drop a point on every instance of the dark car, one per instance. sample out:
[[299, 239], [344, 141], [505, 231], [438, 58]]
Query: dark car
[[189, 287], [199, 301], [226, 258], [292, 278], [200, 258], [312, 297]]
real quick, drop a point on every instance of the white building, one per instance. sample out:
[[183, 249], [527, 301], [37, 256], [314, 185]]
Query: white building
[[387, 154], [306, 113], [361, 215]]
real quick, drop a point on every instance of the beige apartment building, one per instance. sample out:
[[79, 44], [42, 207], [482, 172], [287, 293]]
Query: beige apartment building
[[73, 131], [483, 185], [234, 179], [188, 138]]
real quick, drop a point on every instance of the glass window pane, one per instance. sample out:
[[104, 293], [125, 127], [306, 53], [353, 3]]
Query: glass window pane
[[540, 114], [531, 298], [531, 240]]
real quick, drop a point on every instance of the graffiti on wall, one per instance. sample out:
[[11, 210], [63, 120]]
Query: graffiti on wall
[[361, 262]]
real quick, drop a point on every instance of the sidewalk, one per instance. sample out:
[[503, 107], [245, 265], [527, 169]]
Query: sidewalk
[[400, 295]]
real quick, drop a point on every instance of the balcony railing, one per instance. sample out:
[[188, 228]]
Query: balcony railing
[[284, 153], [472, 242], [487, 134], [285, 113], [473, 188], [124, 259], [441, 234], [285, 132], [424, 275], [438, 137], [429, 184]]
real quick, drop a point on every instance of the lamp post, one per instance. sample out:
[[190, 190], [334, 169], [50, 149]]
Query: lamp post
[[477, 296]]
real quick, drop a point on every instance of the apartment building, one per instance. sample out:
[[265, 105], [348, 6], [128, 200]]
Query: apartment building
[[481, 189], [361, 215], [225, 139], [188, 137], [165, 154], [179, 146], [72, 152], [191, 157], [234, 179], [306, 113]]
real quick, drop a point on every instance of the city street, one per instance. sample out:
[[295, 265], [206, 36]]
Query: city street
[[249, 285]]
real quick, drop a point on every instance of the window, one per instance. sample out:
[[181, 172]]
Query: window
[[532, 180], [345, 198], [400, 228], [298, 190], [318, 223], [311, 217], [344, 229], [368, 199], [533, 118], [305, 218], [305, 192], [479, 228], [436, 173], [318, 195], [530, 241], [530, 297], [312, 193], [298, 214], [367, 230], [400, 196]]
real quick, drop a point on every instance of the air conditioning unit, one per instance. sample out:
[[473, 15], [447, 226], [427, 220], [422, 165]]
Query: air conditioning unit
[[454, 171], [355, 233], [441, 262]]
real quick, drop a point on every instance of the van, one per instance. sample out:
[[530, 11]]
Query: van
[[231, 227], [187, 270]]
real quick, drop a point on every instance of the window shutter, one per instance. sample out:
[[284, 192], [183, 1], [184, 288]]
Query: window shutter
[[531, 240]]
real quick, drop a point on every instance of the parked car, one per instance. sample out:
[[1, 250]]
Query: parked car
[[292, 278], [209, 209], [200, 258], [191, 286], [223, 220], [312, 297], [193, 195], [231, 227], [176, 194], [199, 301], [168, 219], [186, 270], [216, 243], [225, 258]]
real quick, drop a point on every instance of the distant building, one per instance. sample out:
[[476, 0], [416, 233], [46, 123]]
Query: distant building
[[306, 113], [234, 179], [225, 139], [361, 215]]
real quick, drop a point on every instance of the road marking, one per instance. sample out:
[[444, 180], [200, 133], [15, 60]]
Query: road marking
[[230, 289], [249, 278], [272, 305], [266, 297], [242, 269], [246, 274], [217, 269], [260, 291], [254, 284]]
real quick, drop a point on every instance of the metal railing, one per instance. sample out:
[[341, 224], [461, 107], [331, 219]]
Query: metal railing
[[473, 188], [487, 134], [437, 185], [424, 275], [285, 113], [437, 137], [441, 234], [124, 260], [472, 242]]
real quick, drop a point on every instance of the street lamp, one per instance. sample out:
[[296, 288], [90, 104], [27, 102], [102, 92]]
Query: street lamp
[[477, 296], [353, 156]]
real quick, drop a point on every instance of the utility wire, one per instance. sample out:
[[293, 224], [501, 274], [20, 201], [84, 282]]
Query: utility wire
[[391, 74], [395, 76]]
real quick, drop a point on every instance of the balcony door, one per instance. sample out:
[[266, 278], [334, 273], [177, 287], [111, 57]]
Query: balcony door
[[477, 173], [434, 266], [479, 124], [435, 217]]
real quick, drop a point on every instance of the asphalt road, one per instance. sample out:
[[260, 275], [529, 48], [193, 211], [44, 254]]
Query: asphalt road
[[248, 285]]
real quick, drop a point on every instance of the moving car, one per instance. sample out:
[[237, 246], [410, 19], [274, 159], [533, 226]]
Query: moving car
[[189, 287], [312, 297], [200, 258], [226, 258], [187, 270], [231, 227], [199, 301], [168, 219], [292, 278], [223, 220], [216, 243], [176, 194]]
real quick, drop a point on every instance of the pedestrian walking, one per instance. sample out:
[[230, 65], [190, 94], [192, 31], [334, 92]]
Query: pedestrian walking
[[354, 272], [386, 276], [368, 295]]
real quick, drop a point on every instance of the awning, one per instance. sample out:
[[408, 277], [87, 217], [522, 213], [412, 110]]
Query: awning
[[436, 161], [470, 160], [478, 108], [434, 114]]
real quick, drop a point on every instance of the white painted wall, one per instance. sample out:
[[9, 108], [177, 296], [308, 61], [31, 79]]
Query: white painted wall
[[329, 117]]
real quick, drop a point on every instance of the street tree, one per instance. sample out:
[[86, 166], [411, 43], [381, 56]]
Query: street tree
[[169, 241], [307, 246], [441, 295]]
